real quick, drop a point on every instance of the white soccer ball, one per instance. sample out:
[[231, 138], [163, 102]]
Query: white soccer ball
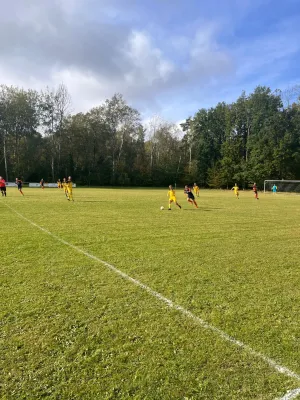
[[162, 207]]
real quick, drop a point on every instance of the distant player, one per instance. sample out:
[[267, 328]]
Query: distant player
[[236, 190], [19, 183], [64, 185], [59, 184], [255, 191], [189, 196], [3, 186], [42, 183], [172, 197], [196, 189], [70, 189], [274, 189]]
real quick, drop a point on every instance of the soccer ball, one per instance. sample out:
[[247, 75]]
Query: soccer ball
[[162, 207]]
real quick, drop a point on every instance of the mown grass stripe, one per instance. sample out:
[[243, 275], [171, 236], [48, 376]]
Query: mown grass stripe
[[279, 368], [291, 395]]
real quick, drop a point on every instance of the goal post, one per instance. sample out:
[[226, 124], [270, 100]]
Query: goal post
[[283, 186]]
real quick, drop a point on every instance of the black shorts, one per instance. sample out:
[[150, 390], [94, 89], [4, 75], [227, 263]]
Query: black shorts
[[3, 188], [19, 187], [191, 196]]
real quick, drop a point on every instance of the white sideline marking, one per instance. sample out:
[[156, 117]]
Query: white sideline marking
[[280, 368], [292, 394]]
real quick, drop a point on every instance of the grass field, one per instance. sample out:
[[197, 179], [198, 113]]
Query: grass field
[[72, 328]]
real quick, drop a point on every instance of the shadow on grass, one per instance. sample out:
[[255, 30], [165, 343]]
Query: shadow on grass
[[195, 209], [92, 201], [200, 209]]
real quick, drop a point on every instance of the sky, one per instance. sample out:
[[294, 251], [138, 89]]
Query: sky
[[166, 57]]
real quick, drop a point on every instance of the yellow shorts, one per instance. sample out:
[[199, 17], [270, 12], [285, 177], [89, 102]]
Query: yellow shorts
[[172, 199]]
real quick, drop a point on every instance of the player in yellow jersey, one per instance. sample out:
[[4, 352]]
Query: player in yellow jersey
[[70, 189], [236, 190], [64, 186], [59, 184], [172, 197], [196, 189]]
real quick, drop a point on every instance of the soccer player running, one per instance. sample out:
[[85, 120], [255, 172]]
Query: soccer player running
[[19, 183], [64, 185], [42, 183], [172, 198], [70, 189], [3, 186], [196, 189], [274, 189], [236, 190], [255, 191], [190, 197]]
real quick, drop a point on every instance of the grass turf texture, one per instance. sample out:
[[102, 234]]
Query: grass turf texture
[[72, 329]]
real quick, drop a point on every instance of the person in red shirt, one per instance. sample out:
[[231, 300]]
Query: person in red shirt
[[255, 191], [3, 186]]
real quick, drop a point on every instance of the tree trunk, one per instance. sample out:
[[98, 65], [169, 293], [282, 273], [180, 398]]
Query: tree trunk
[[59, 151], [151, 158], [113, 168], [121, 146], [248, 134], [52, 168], [178, 168], [5, 158]]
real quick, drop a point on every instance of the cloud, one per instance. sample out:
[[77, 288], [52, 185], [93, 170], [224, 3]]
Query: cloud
[[86, 46], [164, 59], [147, 63], [269, 52], [206, 55]]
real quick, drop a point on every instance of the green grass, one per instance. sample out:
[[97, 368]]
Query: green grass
[[72, 329]]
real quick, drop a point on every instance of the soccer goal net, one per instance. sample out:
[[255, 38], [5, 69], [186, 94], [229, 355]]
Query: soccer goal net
[[282, 186]]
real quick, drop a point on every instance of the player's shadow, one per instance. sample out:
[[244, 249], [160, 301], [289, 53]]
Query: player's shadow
[[201, 209], [91, 201], [195, 209]]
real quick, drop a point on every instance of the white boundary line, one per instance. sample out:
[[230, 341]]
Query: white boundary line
[[292, 394], [273, 364]]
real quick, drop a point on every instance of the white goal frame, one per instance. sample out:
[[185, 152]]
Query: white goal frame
[[279, 181]]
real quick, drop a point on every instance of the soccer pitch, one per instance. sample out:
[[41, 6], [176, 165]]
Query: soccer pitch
[[111, 298]]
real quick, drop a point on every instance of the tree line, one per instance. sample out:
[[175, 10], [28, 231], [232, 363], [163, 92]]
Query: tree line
[[256, 137]]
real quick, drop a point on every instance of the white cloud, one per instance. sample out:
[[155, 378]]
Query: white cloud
[[84, 44], [206, 54], [50, 44], [264, 52], [147, 61]]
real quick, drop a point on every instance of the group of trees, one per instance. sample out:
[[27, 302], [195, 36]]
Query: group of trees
[[255, 138]]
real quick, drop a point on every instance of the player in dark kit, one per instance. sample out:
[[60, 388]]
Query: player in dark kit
[[255, 191], [190, 197], [19, 183], [3, 186], [42, 183]]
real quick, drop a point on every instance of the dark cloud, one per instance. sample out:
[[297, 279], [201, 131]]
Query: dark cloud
[[93, 47], [48, 36]]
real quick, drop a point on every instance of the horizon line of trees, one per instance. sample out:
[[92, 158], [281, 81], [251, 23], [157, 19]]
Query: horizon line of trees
[[257, 137]]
